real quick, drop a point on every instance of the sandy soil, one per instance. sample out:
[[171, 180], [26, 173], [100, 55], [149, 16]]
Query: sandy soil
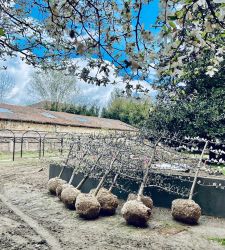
[[30, 218]]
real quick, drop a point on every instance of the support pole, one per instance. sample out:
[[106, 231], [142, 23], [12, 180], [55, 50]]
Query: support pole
[[14, 147], [39, 148], [21, 148]]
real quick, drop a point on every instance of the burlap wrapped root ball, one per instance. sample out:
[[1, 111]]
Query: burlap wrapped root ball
[[186, 211], [108, 201], [53, 184], [69, 195], [136, 213], [146, 200], [87, 206], [60, 188]]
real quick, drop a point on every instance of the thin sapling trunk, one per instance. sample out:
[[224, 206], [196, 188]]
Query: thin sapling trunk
[[62, 186], [114, 182], [145, 178], [53, 183], [75, 168], [106, 173], [187, 210], [67, 160], [136, 210], [87, 175], [197, 172], [89, 205]]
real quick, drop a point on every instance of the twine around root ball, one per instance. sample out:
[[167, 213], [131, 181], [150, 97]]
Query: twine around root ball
[[61, 187], [146, 200], [136, 213], [53, 183], [87, 206], [108, 201], [69, 195], [186, 211]]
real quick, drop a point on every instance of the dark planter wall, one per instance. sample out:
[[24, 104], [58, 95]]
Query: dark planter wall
[[210, 198]]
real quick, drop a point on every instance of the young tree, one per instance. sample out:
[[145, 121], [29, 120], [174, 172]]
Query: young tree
[[53, 86], [88, 110], [6, 85]]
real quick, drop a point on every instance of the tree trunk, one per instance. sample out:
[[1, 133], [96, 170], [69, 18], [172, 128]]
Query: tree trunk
[[106, 173], [197, 171]]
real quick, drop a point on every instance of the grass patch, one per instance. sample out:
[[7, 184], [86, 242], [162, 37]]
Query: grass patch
[[221, 241]]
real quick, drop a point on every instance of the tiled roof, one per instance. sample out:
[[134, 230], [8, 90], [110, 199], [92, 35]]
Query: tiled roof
[[36, 115]]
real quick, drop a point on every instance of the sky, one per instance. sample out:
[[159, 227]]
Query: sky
[[22, 74]]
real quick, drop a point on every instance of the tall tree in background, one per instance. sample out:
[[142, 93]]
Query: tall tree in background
[[53, 86], [80, 109], [194, 106], [7, 83], [128, 109]]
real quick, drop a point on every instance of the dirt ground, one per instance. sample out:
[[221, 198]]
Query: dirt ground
[[30, 218]]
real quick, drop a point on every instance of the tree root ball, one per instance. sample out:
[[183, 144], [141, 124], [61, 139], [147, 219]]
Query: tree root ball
[[69, 195], [136, 213], [53, 183], [186, 211], [108, 201], [87, 206], [147, 201], [60, 188]]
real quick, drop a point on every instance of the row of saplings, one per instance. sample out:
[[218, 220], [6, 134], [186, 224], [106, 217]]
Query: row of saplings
[[136, 210]]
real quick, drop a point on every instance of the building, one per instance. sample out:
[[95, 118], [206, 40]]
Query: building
[[33, 129], [23, 118]]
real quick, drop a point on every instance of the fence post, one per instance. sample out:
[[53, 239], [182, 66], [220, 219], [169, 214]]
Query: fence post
[[21, 148], [14, 147], [43, 147], [61, 146], [40, 148]]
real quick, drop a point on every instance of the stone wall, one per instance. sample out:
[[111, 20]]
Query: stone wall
[[6, 144], [24, 126]]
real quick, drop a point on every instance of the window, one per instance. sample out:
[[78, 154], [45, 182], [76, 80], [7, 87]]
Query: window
[[48, 115], [3, 110]]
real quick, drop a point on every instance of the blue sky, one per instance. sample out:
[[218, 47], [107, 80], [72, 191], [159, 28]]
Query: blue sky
[[148, 17], [22, 72], [150, 13]]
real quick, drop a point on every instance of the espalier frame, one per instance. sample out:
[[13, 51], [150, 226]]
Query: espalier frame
[[137, 149]]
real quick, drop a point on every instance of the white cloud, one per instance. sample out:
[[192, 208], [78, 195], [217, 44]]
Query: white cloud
[[102, 94], [20, 71], [89, 93]]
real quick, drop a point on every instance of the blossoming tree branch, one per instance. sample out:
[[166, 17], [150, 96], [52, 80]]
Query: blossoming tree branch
[[111, 35]]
